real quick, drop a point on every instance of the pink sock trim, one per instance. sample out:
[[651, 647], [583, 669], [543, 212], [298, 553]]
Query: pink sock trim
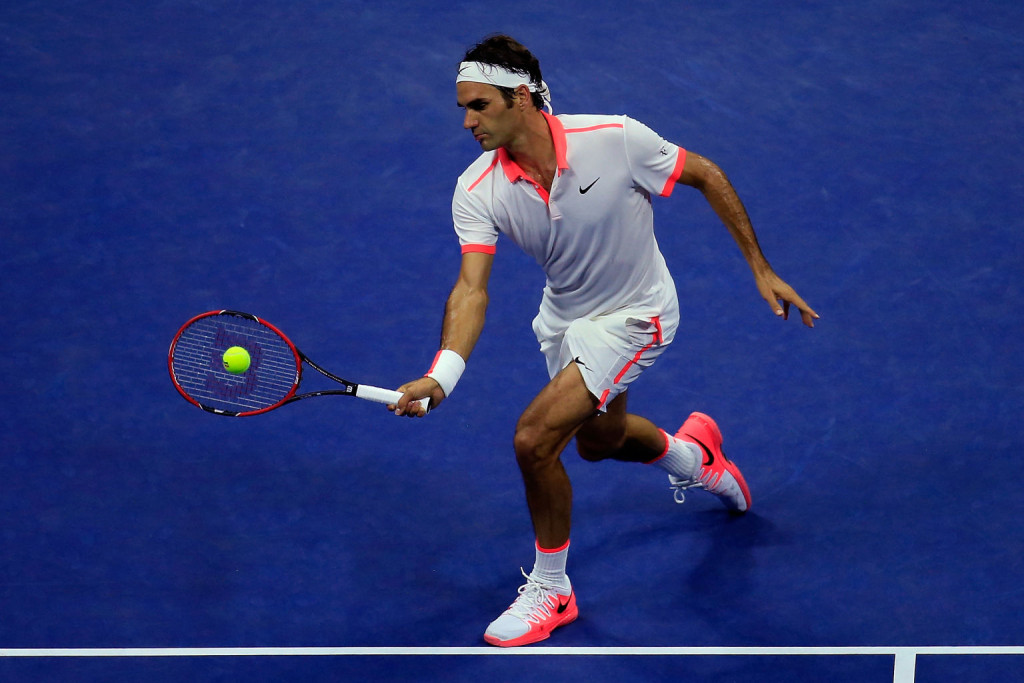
[[664, 452], [552, 552]]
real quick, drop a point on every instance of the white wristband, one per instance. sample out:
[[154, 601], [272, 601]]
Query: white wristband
[[447, 369]]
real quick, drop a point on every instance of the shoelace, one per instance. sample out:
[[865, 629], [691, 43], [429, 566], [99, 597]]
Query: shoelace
[[706, 480], [532, 599], [678, 487]]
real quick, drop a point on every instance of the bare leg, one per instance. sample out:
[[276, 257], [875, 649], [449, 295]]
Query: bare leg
[[543, 431], [619, 435]]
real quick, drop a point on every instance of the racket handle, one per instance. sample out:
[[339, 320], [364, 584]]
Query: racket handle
[[386, 396]]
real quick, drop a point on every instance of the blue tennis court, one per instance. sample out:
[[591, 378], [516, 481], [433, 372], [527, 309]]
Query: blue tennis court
[[296, 160]]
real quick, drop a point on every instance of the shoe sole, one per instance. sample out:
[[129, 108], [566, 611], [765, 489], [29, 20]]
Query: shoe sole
[[533, 636]]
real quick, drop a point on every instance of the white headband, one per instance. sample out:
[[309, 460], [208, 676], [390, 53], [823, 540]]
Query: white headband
[[500, 77]]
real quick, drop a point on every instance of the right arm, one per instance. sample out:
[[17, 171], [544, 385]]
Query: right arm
[[464, 316], [707, 177]]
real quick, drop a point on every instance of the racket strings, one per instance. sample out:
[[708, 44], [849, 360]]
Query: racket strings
[[198, 367]]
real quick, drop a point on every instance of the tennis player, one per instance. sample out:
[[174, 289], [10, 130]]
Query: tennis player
[[574, 192]]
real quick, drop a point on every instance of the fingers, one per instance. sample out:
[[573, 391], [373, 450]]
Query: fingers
[[415, 408], [785, 295], [415, 396], [774, 298], [408, 406], [403, 405], [807, 314]]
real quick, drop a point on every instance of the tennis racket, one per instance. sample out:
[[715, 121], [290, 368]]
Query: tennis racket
[[272, 379]]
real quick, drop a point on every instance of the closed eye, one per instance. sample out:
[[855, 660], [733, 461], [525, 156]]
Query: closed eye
[[477, 104]]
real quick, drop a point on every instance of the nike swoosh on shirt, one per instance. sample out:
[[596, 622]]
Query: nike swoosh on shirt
[[584, 190]]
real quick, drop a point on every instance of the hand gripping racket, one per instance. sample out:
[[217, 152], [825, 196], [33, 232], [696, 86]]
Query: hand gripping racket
[[196, 364]]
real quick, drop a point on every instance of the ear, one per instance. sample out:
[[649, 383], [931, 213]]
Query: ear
[[523, 96]]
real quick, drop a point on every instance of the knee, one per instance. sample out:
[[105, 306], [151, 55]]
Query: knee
[[533, 450]]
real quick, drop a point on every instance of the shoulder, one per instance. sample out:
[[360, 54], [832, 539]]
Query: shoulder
[[478, 171], [588, 123], [603, 130]]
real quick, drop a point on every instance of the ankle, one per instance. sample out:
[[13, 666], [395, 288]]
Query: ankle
[[549, 567], [680, 459]]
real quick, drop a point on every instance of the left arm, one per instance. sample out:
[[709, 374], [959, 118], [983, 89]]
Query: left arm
[[704, 175]]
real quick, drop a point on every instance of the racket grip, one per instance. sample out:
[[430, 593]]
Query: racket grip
[[386, 396]]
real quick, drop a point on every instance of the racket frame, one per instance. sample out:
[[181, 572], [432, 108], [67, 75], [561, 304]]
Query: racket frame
[[363, 391]]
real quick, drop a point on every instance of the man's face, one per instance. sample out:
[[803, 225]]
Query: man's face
[[492, 122]]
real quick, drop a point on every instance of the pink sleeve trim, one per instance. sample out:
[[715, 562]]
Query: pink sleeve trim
[[479, 248], [676, 172]]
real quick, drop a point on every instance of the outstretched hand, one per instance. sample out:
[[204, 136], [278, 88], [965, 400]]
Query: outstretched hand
[[780, 296]]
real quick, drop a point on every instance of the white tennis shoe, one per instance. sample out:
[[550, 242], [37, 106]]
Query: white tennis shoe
[[538, 611]]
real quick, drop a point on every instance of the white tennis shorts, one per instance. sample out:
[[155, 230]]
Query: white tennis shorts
[[610, 350]]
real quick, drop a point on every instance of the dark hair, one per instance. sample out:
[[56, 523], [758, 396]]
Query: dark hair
[[509, 53]]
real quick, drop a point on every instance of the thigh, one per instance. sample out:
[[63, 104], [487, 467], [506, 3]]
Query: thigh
[[603, 432], [559, 410]]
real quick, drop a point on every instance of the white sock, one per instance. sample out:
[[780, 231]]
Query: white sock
[[681, 458], [549, 568]]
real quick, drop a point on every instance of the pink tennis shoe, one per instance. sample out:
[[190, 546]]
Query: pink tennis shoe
[[717, 474], [538, 611]]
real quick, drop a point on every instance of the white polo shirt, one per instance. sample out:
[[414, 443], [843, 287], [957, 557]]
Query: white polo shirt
[[593, 234]]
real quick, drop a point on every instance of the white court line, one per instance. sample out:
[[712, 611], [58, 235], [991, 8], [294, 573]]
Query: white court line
[[905, 668], [905, 655]]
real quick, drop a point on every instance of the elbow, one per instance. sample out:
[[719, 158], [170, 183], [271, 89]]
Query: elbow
[[713, 179], [704, 175]]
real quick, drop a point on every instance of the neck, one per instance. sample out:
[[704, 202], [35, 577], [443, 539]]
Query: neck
[[534, 150]]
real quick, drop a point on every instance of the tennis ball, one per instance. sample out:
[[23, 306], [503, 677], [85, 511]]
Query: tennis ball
[[236, 360]]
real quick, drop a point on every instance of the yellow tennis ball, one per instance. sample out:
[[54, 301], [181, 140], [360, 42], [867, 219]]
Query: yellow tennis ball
[[236, 360]]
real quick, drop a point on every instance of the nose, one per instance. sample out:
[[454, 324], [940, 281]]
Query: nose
[[469, 121]]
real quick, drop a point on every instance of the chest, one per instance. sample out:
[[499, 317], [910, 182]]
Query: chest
[[580, 206]]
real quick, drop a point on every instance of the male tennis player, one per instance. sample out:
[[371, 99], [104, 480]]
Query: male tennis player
[[574, 192]]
